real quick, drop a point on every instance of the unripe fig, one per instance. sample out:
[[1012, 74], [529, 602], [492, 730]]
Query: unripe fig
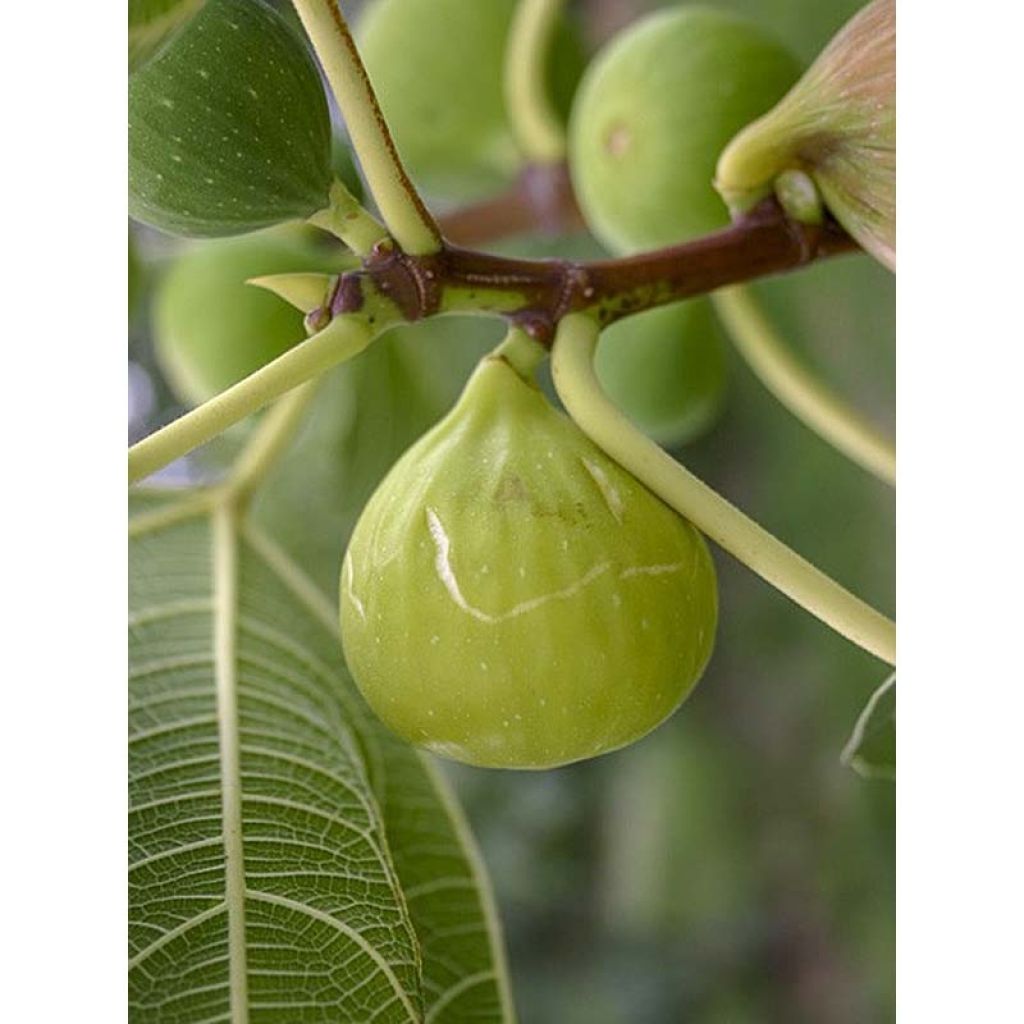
[[437, 69], [228, 127], [838, 125], [652, 114], [211, 328], [665, 368], [513, 598]]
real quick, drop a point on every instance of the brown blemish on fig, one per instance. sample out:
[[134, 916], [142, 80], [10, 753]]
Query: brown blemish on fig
[[619, 140]]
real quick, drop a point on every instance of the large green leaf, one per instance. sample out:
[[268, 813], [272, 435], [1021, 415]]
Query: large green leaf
[[289, 859]]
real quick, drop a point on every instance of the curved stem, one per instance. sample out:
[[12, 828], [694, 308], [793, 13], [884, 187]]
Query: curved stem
[[578, 387], [799, 390], [268, 442], [523, 353], [343, 338], [534, 122], [408, 220]]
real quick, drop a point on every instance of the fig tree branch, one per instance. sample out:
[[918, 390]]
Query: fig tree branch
[[536, 294]]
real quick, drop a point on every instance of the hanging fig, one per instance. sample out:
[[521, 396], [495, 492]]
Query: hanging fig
[[512, 598], [228, 127], [654, 111]]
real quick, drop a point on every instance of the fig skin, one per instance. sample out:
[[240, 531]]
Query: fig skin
[[437, 69], [652, 114], [211, 329], [228, 127], [512, 598]]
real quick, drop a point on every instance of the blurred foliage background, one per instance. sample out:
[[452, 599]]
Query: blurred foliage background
[[728, 868]]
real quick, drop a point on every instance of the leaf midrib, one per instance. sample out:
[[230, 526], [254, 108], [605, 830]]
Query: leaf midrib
[[225, 613]]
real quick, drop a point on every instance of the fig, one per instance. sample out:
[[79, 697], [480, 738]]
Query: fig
[[210, 328], [666, 369], [437, 69], [228, 127], [652, 114], [836, 125], [512, 598]]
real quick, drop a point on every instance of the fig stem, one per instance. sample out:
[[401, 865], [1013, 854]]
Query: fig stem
[[799, 390], [345, 218], [522, 352], [578, 387], [268, 442], [403, 211], [534, 123], [344, 337]]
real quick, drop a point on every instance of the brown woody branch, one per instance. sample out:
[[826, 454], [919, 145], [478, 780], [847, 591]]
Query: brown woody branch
[[536, 294]]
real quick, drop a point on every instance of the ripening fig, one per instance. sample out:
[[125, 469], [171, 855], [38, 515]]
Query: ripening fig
[[437, 69], [228, 127], [211, 329], [837, 125], [652, 114], [512, 598], [666, 369]]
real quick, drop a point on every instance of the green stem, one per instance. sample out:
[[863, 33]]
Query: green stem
[[268, 443], [578, 387], [810, 400], [346, 219], [343, 338], [523, 353], [407, 219], [536, 125]]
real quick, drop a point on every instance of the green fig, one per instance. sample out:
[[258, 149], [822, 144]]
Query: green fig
[[210, 328], [513, 598], [228, 127], [437, 69], [838, 126], [666, 369], [652, 114]]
